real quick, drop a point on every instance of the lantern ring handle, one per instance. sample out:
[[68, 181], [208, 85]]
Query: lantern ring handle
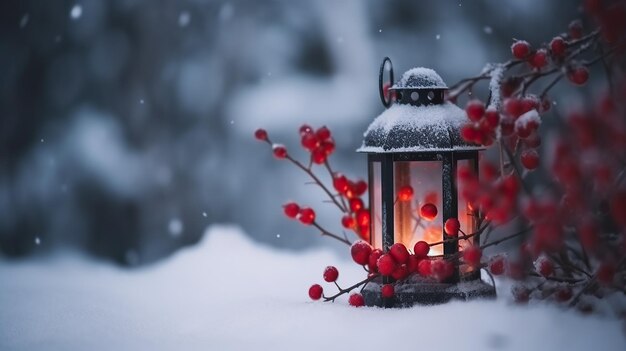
[[381, 87]]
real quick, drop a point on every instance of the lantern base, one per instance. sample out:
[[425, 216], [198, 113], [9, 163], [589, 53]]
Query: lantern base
[[427, 293]]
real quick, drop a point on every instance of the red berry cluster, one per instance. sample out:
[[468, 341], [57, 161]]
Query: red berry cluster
[[318, 142], [494, 195], [357, 216]]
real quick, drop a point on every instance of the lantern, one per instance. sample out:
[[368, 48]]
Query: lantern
[[413, 151]]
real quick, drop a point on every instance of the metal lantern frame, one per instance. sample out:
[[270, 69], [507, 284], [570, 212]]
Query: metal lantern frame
[[449, 155]]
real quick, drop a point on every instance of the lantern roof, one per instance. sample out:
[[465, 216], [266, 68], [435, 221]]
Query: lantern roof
[[410, 128], [420, 78]]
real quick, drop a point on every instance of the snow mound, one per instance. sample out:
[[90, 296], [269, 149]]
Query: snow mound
[[420, 77], [230, 293]]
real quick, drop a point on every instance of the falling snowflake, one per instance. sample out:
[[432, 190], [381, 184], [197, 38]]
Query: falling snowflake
[[76, 12], [487, 29], [24, 20], [278, 236], [438, 36], [175, 227], [184, 18], [37, 241], [204, 214]]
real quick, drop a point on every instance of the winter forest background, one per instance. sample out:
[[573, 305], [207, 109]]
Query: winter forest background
[[127, 124]]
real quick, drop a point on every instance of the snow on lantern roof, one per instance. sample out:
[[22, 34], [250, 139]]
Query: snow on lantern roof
[[420, 78], [408, 128]]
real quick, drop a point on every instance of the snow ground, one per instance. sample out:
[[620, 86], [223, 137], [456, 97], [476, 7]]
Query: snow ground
[[228, 293]]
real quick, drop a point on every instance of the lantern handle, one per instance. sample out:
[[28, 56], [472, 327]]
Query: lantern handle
[[381, 87]]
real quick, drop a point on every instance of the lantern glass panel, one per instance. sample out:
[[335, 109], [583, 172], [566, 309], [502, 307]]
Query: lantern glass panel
[[468, 224], [425, 179], [376, 233]]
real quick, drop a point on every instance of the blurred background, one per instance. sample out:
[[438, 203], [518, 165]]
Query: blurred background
[[126, 125]]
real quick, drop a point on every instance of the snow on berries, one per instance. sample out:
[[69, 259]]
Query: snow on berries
[[331, 274], [520, 49], [496, 265], [544, 266], [575, 29], [558, 46], [578, 75], [315, 292]]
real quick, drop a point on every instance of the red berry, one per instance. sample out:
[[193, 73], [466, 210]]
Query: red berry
[[361, 252], [563, 294], [475, 110], [405, 193], [558, 46], [472, 255], [530, 159], [539, 59], [442, 269], [520, 49], [260, 134], [330, 274], [469, 133], [318, 156], [328, 146], [280, 151], [315, 292], [424, 268], [386, 265], [513, 107], [363, 218], [413, 263], [401, 272], [520, 294], [492, 118], [291, 209], [497, 265], [421, 249], [356, 204], [305, 129], [309, 141], [340, 183], [576, 29], [348, 221], [323, 133], [452, 227], [617, 206], [387, 291], [399, 253], [372, 263], [544, 266], [360, 188], [356, 300], [578, 75], [428, 212], [307, 216]]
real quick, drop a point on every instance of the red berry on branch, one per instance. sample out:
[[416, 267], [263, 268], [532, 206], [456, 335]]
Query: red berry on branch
[[261, 134], [513, 107], [360, 188], [428, 212], [399, 253], [328, 146], [520, 293], [356, 300], [441, 269], [606, 273], [412, 263], [348, 221], [372, 263], [588, 234], [578, 75], [492, 118], [323, 133], [305, 129], [315, 292], [544, 266], [405, 193], [361, 252], [401, 272], [363, 218], [280, 151], [421, 249], [520, 49], [617, 205], [364, 232], [539, 59], [469, 133], [497, 265], [318, 156], [558, 46], [563, 294], [291, 209], [340, 183], [424, 268], [331, 274], [452, 227], [472, 255], [386, 265], [356, 204], [475, 110], [387, 291], [576, 29], [307, 216], [530, 159], [309, 141]]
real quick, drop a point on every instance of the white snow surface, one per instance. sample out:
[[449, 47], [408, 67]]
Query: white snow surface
[[228, 293], [421, 74]]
